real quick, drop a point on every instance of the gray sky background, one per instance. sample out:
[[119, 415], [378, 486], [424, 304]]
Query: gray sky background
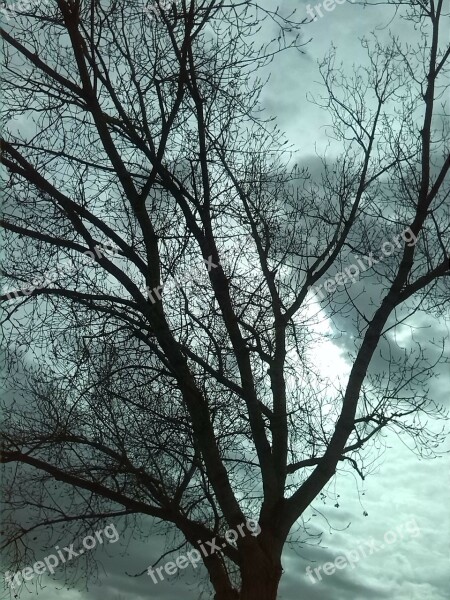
[[402, 488]]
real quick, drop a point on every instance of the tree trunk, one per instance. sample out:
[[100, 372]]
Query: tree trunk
[[261, 576]]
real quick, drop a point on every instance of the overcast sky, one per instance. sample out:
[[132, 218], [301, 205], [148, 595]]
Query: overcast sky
[[404, 490]]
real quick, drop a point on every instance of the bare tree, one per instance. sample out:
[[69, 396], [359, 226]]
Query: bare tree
[[172, 376]]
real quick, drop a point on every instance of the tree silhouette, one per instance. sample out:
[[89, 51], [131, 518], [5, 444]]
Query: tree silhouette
[[173, 376]]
